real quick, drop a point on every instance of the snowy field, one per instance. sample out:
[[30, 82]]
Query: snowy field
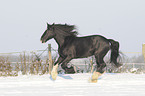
[[124, 84]]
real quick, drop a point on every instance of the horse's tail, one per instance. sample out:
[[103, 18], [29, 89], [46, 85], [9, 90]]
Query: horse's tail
[[114, 52]]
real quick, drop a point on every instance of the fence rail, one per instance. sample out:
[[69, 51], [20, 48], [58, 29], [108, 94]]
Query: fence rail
[[25, 64]]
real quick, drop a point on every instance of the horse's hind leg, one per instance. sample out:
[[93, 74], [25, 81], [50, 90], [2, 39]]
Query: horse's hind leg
[[100, 65], [100, 70]]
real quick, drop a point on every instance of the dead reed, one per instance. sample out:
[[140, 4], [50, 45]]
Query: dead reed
[[27, 65]]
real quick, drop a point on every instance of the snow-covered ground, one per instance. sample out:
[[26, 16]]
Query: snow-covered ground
[[124, 84]]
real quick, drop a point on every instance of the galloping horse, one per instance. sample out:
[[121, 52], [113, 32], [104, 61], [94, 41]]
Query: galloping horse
[[71, 47]]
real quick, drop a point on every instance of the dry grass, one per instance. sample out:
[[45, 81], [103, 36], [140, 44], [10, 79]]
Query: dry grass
[[27, 65], [5, 67]]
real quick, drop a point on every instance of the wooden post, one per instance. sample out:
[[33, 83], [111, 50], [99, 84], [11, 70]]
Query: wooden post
[[85, 66], [75, 69], [91, 64], [17, 67], [143, 50], [50, 58], [24, 72]]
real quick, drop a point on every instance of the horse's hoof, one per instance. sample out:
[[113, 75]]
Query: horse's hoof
[[53, 75], [94, 77], [54, 72], [92, 81], [70, 70]]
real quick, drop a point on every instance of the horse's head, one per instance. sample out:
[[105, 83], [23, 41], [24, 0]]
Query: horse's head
[[48, 34]]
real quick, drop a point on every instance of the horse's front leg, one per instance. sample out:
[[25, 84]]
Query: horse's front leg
[[69, 70], [55, 67]]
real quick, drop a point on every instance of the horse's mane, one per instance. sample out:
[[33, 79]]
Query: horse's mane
[[70, 29]]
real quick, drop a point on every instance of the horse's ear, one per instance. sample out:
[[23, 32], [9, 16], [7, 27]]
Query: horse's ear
[[48, 25], [53, 24]]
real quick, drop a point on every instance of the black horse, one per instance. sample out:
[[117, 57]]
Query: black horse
[[70, 47]]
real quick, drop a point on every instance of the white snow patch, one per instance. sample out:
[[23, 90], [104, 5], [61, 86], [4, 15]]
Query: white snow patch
[[124, 84]]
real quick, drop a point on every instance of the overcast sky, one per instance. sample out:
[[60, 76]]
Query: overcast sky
[[22, 22]]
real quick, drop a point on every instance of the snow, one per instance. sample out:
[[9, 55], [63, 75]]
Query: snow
[[109, 84]]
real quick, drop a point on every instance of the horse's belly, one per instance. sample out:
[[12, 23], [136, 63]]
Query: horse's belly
[[84, 53]]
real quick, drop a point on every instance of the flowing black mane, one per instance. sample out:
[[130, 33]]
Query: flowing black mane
[[69, 29]]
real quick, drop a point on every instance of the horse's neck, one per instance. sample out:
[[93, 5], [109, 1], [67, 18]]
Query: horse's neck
[[59, 39]]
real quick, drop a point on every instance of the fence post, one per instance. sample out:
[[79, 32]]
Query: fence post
[[50, 58], [143, 50], [25, 66], [91, 61]]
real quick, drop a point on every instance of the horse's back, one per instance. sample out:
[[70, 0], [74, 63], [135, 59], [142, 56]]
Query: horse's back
[[92, 40], [86, 46]]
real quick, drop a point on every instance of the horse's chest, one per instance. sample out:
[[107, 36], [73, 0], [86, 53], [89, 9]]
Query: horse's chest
[[67, 51]]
